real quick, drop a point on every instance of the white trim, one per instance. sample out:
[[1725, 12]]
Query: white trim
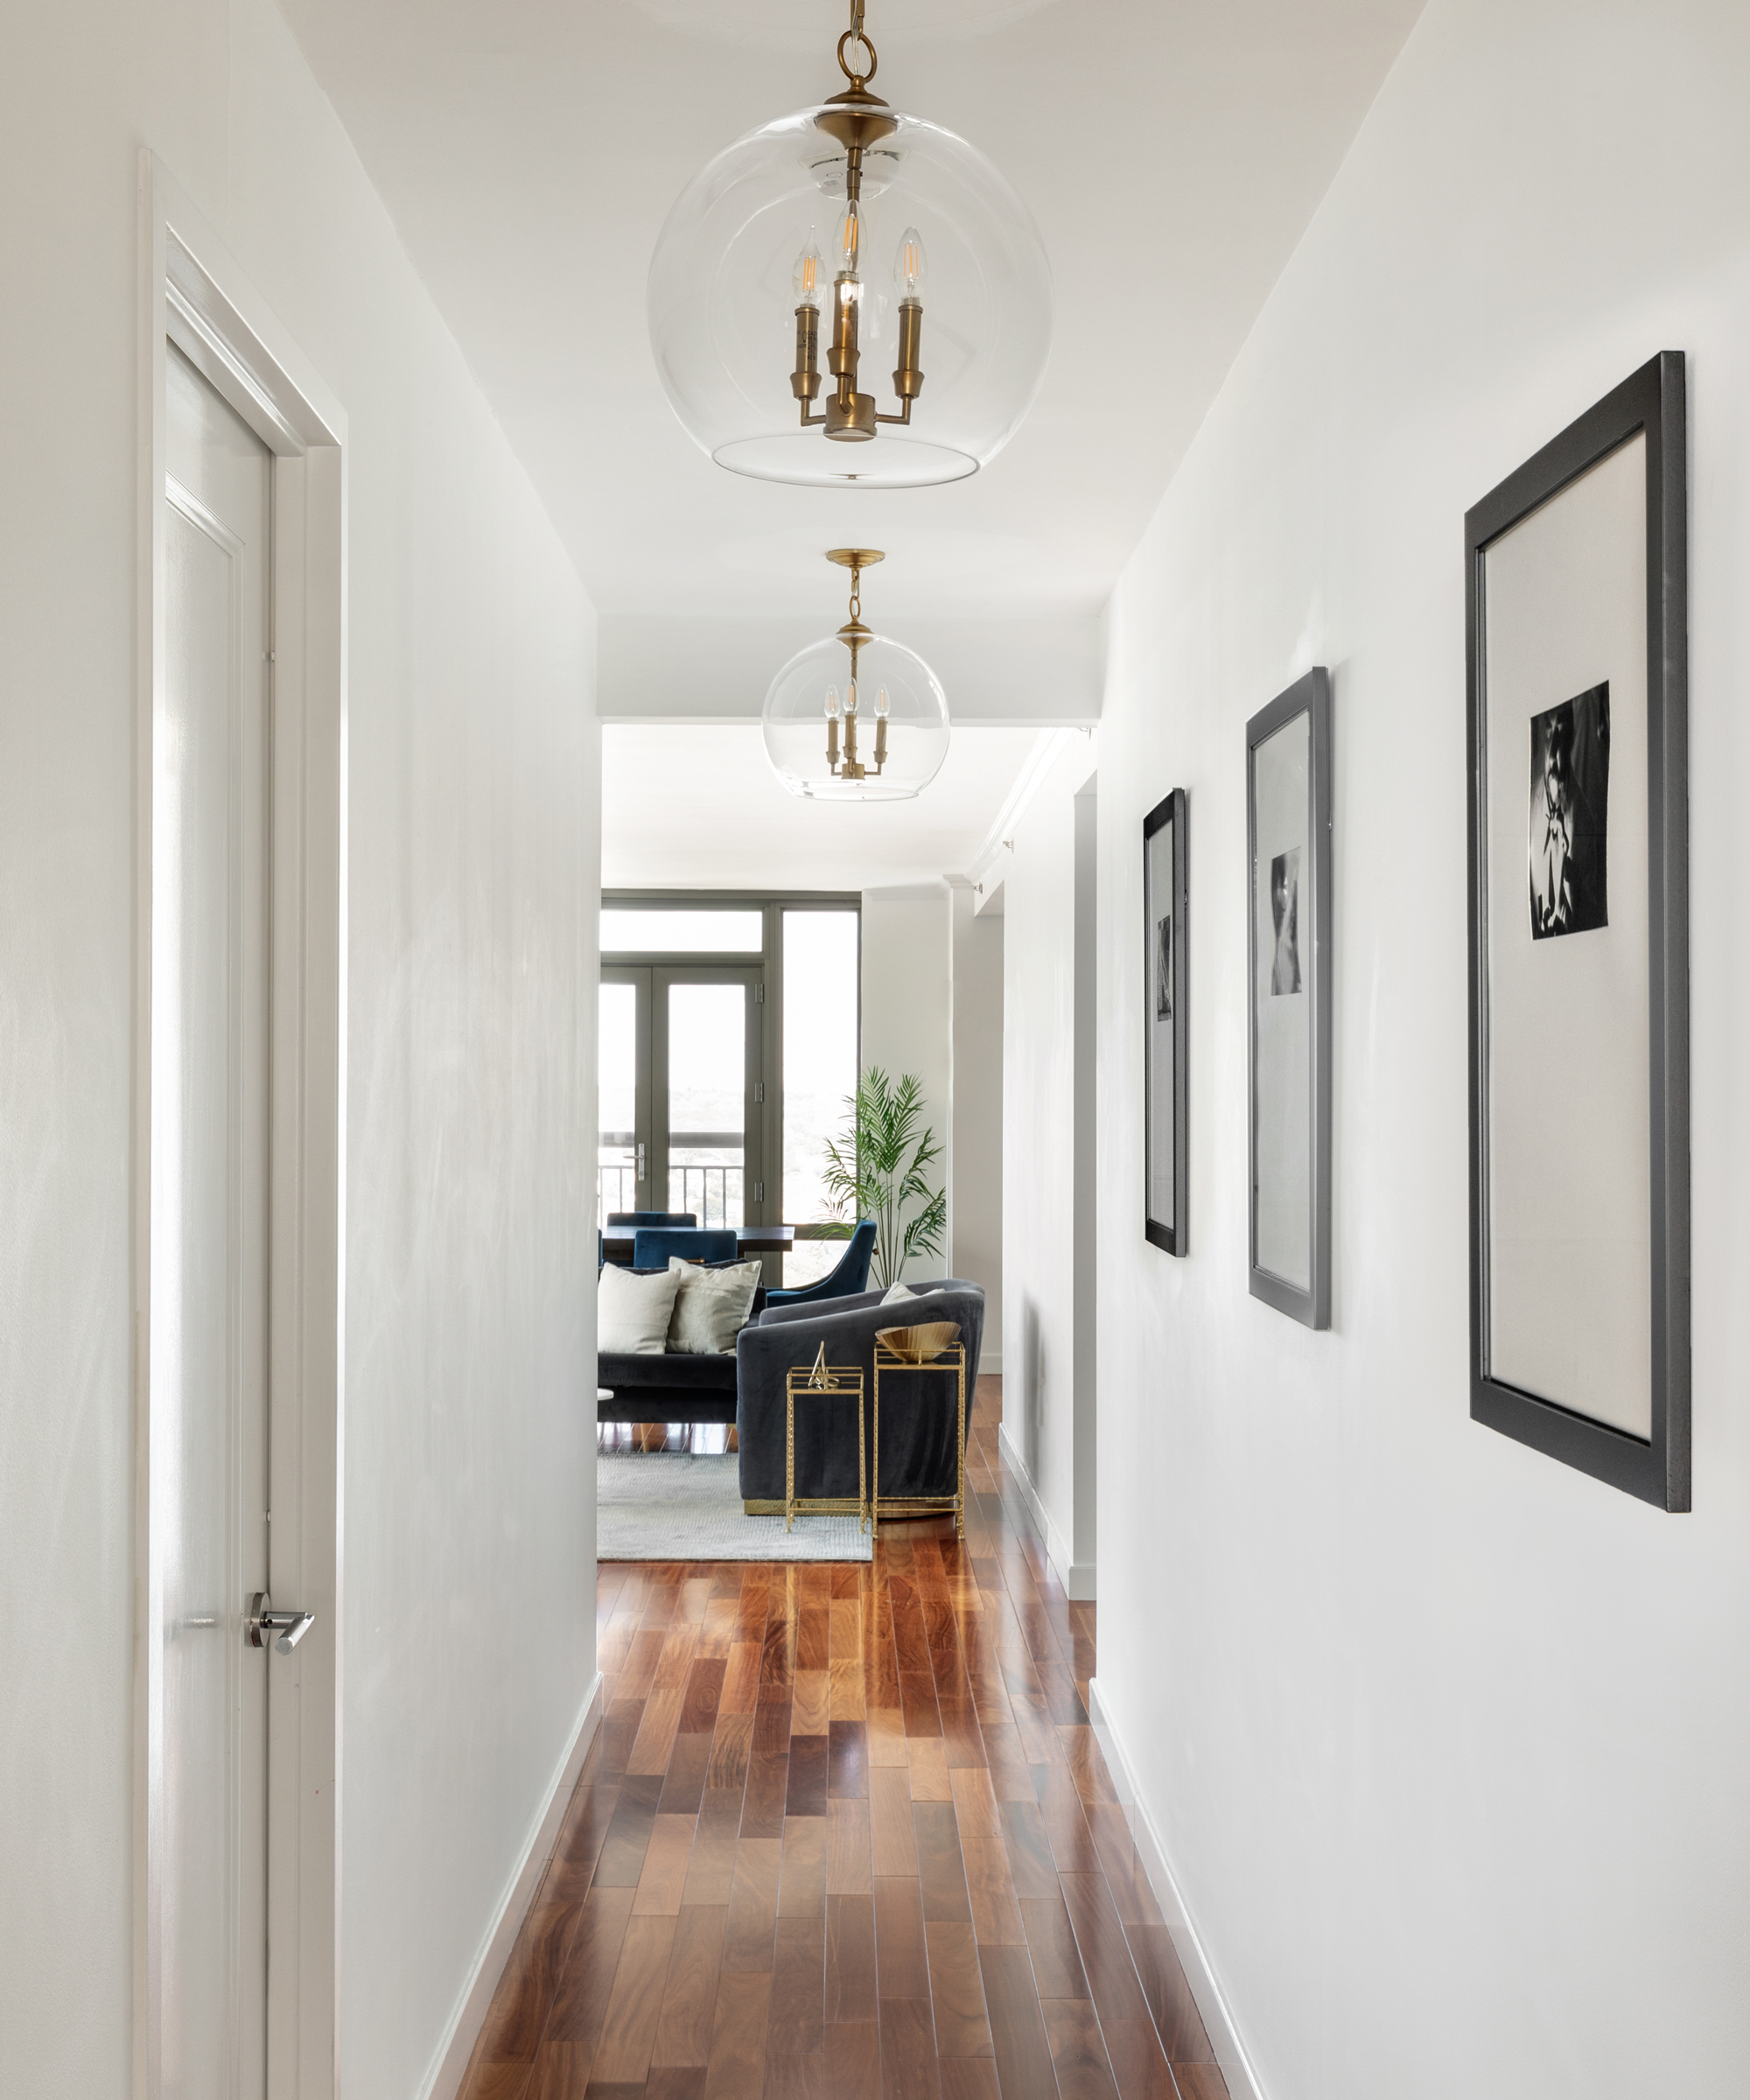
[[192, 289], [935, 891], [1212, 2002], [455, 2051], [983, 870], [1077, 1576]]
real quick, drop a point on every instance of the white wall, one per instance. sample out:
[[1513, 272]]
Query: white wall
[[975, 1160], [1049, 1022], [473, 830], [1446, 1743], [907, 1009]]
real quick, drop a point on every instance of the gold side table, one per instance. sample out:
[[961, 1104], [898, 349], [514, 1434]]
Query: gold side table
[[953, 1358], [823, 1381]]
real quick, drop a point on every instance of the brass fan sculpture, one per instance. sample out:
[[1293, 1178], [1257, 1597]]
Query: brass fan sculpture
[[919, 1345]]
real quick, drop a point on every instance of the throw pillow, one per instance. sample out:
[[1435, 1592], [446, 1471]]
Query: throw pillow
[[711, 1306], [899, 1291], [633, 1312]]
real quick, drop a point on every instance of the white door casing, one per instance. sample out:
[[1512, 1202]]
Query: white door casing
[[210, 1079], [239, 1077]]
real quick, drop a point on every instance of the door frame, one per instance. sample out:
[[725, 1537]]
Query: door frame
[[638, 976], [191, 288], [752, 978]]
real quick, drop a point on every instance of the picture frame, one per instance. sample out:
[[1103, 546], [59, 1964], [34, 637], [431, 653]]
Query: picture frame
[[1288, 950], [1578, 712], [1166, 1034]]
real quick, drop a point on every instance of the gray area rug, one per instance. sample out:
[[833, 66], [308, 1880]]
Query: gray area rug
[[666, 1505]]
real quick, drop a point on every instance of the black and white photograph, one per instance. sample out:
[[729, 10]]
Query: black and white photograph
[[1580, 1141], [1569, 797], [1288, 829], [1285, 905], [1166, 1147]]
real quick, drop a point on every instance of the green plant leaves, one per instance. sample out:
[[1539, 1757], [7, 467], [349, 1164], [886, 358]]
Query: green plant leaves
[[877, 1167]]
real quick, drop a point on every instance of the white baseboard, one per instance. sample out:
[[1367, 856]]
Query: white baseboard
[[457, 2046], [1218, 2022], [989, 1363], [1077, 1576]]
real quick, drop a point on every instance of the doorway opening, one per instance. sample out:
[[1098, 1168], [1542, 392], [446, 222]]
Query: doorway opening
[[729, 1031]]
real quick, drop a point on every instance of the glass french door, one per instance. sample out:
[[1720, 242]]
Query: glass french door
[[683, 1106]]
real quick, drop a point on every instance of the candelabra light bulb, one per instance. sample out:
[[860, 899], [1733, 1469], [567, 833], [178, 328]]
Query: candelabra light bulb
[[807, 277], [851, 697], [847, 240], [832, 703], [909, 265], [881, 704]]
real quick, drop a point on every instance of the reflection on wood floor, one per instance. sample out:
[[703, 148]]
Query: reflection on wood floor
[[845, 1834]]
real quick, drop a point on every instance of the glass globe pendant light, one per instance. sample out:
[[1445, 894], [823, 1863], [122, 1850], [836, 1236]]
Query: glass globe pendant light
[[856, 719], [779, 327]]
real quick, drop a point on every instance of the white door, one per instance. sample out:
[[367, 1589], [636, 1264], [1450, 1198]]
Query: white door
[[209, 1237]]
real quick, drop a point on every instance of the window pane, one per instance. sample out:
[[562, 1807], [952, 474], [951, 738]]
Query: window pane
[[820, 1071], [628, 931], [617, 1077], [707, 1101]]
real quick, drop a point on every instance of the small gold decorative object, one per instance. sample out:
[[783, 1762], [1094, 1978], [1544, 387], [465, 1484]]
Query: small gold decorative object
[[920, 1345], [818, 1378]]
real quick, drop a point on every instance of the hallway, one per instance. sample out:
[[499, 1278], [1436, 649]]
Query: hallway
[[845, 1832]]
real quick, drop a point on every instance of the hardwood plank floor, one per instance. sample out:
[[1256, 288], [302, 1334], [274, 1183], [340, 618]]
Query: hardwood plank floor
[[845, 1834]]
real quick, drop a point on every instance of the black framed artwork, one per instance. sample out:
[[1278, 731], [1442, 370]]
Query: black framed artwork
[[1165, 1023], [1288, 844], [1575, 570]]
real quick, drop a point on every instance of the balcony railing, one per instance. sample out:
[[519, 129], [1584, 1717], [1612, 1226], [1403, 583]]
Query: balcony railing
[[713, 1194]]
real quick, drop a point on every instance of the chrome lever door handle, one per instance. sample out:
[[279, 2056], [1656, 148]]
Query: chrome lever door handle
[[263, 1623]]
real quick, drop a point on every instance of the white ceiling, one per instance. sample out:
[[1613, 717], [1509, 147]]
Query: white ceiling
[[698, 807], [1171, 151]]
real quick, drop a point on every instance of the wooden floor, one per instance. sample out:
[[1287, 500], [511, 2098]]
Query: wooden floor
[[845, 1834]]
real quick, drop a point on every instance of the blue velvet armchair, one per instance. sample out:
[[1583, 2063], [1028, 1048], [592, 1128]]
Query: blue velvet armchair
[[851, 1276]]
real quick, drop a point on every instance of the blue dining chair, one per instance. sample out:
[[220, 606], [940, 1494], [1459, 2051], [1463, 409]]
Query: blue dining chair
[[635, 1218], [851, 1276], [652, 1245]]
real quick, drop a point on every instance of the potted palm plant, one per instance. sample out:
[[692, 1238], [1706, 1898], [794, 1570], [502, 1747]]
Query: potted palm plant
[[877, 1167]]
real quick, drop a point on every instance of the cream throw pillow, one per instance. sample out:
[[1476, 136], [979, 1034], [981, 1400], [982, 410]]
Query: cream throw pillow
[[632, 1313], [899, 1291], [710, 1307]]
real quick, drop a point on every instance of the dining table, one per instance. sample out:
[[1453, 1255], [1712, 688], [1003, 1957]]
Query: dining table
[[750, 1240]]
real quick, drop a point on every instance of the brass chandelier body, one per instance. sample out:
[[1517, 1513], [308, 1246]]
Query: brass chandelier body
[[855, 636], [857, 120]]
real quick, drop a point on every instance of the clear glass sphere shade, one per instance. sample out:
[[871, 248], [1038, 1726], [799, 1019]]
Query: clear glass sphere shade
[[722, 305], [794, 722]]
